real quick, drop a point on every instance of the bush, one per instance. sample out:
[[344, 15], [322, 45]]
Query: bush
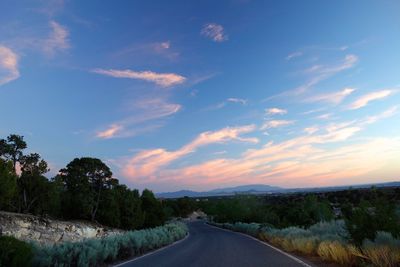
[[14, 252], [94, 252], [384, 251]]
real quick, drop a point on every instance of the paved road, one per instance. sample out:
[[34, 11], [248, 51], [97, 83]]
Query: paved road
[[208, 246]]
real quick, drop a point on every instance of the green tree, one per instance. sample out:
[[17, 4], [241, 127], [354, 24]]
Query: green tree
[[152, 208], [11, 148], [84, 181], [8, 184], [130, 205], [33, 187]]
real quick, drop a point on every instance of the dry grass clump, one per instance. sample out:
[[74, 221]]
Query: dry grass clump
[[383, 251], [328, 240], [336, 251]]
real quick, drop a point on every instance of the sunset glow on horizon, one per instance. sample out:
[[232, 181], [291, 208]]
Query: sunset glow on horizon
[[203, 95]]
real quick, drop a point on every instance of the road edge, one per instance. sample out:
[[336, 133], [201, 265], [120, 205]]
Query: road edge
[[152, 252], [266, 244]]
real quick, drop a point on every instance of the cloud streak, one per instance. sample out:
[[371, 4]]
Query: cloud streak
[[275, 111], [8, 65], [149, 115], [275, 124], [58, 39], [148, 162], [333, 98], [294, 55], [110, 132], [365, 99], [162, 79]]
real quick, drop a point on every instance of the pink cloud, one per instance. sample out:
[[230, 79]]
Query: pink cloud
[[162, 79], [275, 111], [365, 99], [305, 160], [110, 132], [149, 114], [334, 98], [8, 65], [148, 162], [275, 124]]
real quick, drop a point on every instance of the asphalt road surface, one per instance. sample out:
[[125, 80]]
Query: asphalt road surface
[[209, 246]]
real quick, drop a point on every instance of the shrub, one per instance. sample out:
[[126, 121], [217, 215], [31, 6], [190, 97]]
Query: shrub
[[14, 252], [384, 251], [93, 252]]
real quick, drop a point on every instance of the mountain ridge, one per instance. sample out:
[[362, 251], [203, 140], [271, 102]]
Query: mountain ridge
[[263, 188]]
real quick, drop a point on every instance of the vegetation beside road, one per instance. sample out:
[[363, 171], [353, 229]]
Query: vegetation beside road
[[328, 240], [95, 252]]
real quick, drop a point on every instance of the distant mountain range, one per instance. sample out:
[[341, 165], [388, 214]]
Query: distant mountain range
[[243, 189], [264, 189]]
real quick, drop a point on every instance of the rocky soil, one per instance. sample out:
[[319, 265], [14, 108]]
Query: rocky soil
[[48, 231]]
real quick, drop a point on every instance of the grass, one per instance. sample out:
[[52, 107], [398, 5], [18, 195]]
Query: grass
[[329, 241]]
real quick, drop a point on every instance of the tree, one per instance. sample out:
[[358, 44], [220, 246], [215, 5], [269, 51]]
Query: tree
[[32, 164], [84, 180], [11, 149], [153, 212], [33, 186], [129, 203], [8, 184]]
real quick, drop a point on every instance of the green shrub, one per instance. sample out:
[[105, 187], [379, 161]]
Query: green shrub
[[14, 252], [93, 252]]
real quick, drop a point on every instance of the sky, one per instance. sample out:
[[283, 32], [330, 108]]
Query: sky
[[205, 94]]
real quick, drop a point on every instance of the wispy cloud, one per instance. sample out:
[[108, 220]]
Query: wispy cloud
[[322, 72], [149, 115], [311, 129], [325, 116], [275, 111], [318, 74], [365, 99], [294, 55], [162, 79], [147, 50], [8, 65], [214, 31], [275, 124], [237, 100], [110, 132], [222, 104], [386, 114], [334, 98], [57, 40], [148, 162]]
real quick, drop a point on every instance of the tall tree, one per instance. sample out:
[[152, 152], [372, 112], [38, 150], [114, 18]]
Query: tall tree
[[153, 212], [8, 184], [34, 188], [11, 148], [84, 180]]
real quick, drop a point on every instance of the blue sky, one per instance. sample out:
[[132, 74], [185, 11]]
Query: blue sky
[[198, 95]]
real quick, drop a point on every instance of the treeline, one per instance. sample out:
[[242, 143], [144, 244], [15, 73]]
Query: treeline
[[85, 189], [364, 211]]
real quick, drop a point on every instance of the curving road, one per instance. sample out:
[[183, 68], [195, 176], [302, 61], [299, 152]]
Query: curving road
[[209, 246]]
